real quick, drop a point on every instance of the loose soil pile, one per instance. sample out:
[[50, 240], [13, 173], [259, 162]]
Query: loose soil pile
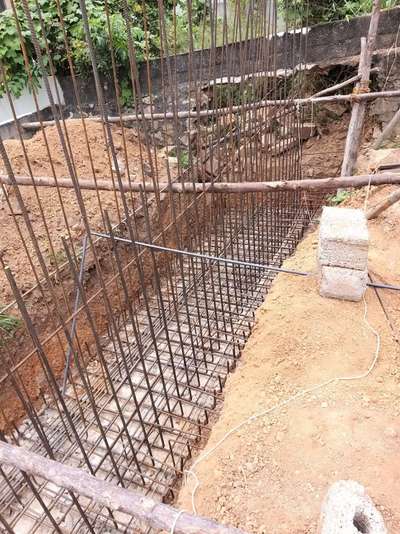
[[44, 150], [272, 475]]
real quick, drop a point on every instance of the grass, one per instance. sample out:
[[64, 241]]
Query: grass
[[8, 324]]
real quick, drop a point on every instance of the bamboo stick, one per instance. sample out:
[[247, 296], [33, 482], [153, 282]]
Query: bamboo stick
[[319, 184], [234, 109], [145, 509], [354, 133]]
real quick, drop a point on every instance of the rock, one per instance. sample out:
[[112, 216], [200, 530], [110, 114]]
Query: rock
[[347, 509]]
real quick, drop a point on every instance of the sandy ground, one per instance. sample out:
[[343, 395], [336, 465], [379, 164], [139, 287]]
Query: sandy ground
[[272, 475]]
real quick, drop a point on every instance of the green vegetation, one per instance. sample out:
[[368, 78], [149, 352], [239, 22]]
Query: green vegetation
[[59, 26], [184, 159], [58, 258], [340, 197], [299, 14], [8, 325]]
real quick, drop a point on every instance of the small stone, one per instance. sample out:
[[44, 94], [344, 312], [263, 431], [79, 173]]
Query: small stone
[[379, 379], [324, 405]]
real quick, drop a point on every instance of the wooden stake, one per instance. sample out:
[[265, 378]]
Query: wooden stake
[[319, 184], [355, 130], [155, 514], [388, 130], [384, 205]]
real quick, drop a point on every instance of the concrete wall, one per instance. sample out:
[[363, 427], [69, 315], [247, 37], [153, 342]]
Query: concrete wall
[[325, 42]]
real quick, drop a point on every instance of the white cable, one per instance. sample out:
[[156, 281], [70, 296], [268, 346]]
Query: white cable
[[175, 521], [368, 191], [282, 404]]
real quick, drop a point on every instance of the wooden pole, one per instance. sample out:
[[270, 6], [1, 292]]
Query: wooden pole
[[234, 109], [152, 513], [388, 130], [216, 187], [384, 205], [355, 130]]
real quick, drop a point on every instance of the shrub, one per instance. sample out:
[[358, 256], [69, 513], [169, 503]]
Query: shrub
[[297, 12], [54, 27]]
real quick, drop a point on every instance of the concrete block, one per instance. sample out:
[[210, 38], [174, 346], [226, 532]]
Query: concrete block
[[347, 509], [342, 283], [343, 238]]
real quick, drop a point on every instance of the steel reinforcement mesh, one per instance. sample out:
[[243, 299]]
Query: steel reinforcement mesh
[[123, 315]]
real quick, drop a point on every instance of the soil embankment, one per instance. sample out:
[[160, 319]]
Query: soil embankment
[[272, 475]]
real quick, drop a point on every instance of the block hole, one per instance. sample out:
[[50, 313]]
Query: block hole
[[361, 522]]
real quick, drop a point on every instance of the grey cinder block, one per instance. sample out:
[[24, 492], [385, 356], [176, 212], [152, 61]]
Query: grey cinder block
[[341, 283], [343, 238], [347, 509]]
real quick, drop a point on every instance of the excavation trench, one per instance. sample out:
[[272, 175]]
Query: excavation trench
[[157, 334], [134, 414]]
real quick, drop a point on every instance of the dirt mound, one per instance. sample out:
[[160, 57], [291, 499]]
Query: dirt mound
[[87, 142], [49, 209], [272, 475]]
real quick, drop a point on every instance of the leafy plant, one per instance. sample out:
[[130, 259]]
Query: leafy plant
[[297, 13], [126, 94], [13, 73], [184, 159], [57, 22], [8, 324], [340, 197]]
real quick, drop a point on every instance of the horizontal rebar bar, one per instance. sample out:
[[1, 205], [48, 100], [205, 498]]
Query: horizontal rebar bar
[[201, 256]]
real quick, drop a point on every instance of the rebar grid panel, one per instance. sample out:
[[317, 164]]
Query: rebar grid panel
[[143, 339], [199, 335]]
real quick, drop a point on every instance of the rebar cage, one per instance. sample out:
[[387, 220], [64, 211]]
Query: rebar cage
[[118, 351]]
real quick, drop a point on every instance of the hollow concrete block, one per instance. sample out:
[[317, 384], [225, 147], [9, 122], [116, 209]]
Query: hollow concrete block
[[343, 238], [342, 283], [347, 509]]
